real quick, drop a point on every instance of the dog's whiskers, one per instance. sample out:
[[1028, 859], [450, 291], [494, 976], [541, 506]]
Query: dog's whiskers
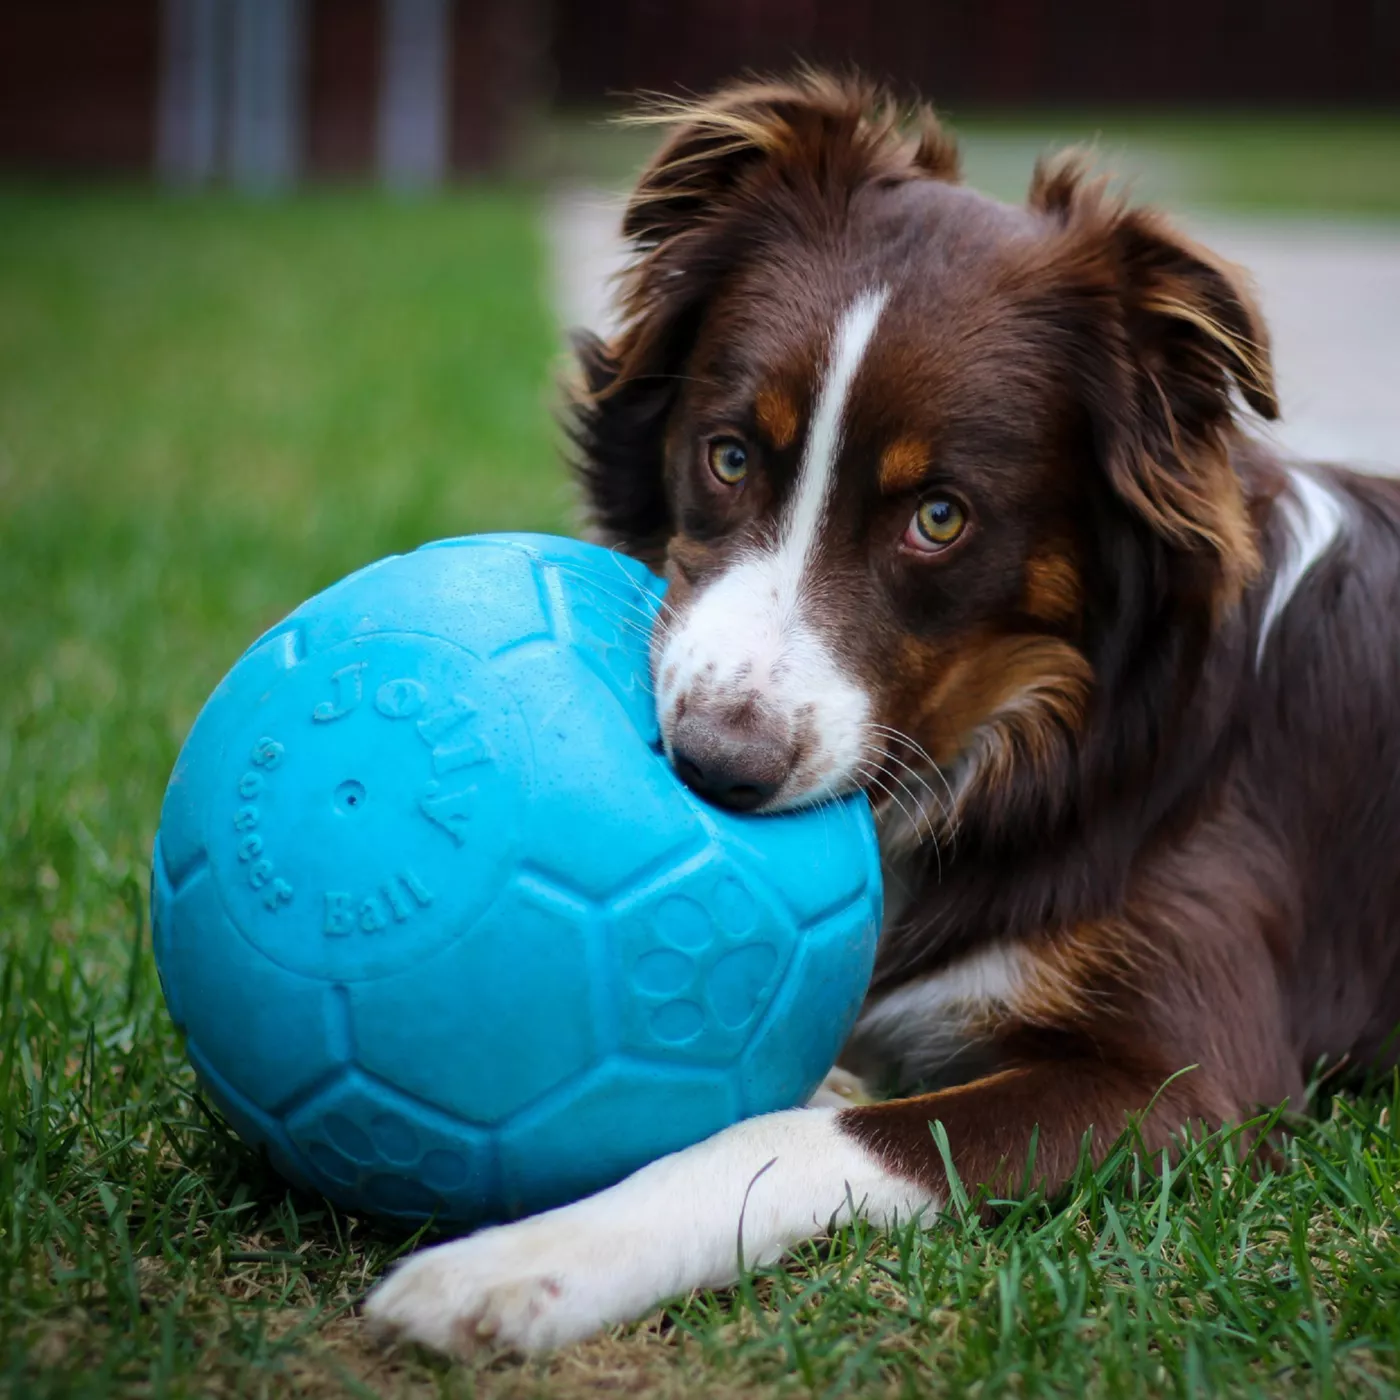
[[947, 818], [879, 761], [869, 772], [606, 583], [948, 810]]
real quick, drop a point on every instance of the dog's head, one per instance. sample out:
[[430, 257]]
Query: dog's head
[[894, 444]]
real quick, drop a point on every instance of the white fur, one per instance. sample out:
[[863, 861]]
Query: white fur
[[994, 974], [1313, 517], [919, 1028], [751, 632], [807, 508], [671, 1227]]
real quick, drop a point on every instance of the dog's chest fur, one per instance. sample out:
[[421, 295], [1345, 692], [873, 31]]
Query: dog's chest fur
[[935, 1029]]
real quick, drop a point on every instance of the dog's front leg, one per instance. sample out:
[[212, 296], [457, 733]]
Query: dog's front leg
[[673, 1226], [676, 1224]]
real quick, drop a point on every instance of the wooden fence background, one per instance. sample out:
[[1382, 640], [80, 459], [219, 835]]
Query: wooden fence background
[[97, 86], [1001, 52]]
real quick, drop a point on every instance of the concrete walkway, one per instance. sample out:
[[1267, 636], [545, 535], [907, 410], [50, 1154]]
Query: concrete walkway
[[1330, 291]]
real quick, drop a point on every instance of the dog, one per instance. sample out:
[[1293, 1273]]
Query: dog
[[958, 504]]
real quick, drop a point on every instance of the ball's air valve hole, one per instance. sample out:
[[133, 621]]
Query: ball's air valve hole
[[350, 797]]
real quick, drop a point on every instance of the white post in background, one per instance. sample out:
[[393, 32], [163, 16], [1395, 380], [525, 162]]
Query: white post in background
[[191, 91], [413, 93], [265, 110]]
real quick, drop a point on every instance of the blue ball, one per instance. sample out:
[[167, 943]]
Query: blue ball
[[444, 932]]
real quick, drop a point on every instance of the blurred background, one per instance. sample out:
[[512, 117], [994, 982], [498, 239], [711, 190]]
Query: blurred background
[[1273, 126], [267, 93], [282, 285], [282, 289]]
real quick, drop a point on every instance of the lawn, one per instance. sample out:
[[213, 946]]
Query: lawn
[[208, 410]]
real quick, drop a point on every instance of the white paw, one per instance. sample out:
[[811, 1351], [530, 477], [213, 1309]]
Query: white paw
[[668, 1228], [515, 1286]]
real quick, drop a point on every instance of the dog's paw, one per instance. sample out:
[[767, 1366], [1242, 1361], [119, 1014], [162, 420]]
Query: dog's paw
[[514, 1286], [671, 1227]]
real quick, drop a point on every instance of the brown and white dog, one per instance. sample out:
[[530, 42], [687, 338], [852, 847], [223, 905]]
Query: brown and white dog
[[956, 506]]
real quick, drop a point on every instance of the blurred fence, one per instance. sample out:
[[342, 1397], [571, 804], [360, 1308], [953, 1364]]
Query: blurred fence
[[267, 92], [1011, 52]]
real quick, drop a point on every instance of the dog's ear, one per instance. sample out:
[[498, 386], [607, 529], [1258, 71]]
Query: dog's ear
[[711, 193], [1184, 335], [616, 422]]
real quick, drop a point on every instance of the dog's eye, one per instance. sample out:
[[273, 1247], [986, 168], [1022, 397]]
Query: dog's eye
[[936, 524], [729, 460]]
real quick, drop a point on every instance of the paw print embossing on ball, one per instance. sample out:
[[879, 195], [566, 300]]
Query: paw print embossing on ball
[[398, 1155], [738, 980], [663, 972], [395, 1138], [735, 911], [683, 922], [699, 964]]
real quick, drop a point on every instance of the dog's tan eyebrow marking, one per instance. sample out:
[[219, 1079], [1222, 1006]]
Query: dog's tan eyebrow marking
[[777, 416], [903, 464]]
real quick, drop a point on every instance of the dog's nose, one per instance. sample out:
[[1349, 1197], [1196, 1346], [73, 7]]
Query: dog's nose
[[735, 786], [728, 765]]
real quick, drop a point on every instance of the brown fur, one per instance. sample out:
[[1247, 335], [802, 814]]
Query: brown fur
[[1054, 589], [777, 416], [903, 464], [1192, 852]]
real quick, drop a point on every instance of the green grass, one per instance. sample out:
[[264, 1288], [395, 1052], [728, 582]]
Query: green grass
[[207, 411], [1294, 163]]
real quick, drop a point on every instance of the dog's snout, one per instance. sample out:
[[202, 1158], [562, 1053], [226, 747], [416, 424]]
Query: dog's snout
[[731, 765]]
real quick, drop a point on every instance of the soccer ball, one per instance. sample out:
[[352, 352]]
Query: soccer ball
[[444, 932]]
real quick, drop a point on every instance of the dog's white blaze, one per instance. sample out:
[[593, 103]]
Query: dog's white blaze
[[807, 509], [1314, 517], [761, 1186], [750, 630]]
